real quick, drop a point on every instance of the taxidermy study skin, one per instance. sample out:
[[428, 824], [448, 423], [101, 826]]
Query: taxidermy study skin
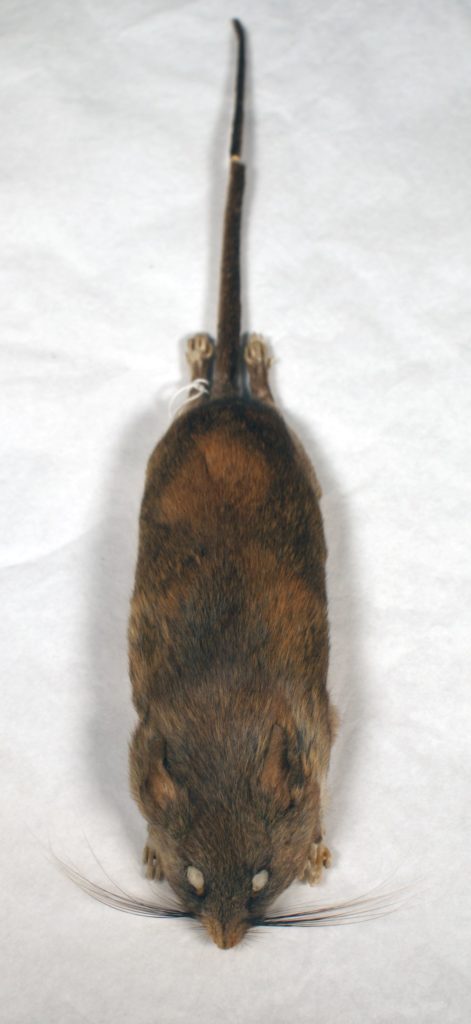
[[228, 633]]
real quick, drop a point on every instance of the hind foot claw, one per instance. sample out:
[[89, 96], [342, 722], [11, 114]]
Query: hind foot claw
[[256, 352], [199, 348], [258, 363]]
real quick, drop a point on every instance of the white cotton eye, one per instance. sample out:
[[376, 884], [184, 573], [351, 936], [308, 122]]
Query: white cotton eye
[[196, 879], [259, 880]]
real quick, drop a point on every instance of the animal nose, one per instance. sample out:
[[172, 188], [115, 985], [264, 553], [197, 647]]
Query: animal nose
[[225, 935], [230, 938]]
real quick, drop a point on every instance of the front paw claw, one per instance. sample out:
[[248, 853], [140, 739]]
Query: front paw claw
[[151, 859], [319, 857]]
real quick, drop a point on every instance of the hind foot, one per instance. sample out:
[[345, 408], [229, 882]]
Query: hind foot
[[258, 363], [319, 857], [256, 351], [151, 858], [200, 354]]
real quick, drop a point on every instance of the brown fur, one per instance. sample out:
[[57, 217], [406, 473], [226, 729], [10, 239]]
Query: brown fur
[[228, 642], [228, 633]]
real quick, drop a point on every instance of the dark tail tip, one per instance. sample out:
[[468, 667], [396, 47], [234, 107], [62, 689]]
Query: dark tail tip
[[236, 140]]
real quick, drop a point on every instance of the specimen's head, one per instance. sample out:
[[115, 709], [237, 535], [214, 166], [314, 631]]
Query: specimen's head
[[232, 830]]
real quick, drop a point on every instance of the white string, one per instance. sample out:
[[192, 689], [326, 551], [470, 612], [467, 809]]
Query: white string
[[200, 386]]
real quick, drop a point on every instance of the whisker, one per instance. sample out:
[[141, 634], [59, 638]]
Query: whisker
[[121, 900], [100, 865], [368, 907]]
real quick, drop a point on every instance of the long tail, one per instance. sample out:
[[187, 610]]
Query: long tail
[[228, 331]]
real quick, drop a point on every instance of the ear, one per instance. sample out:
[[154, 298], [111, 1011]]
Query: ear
[[284, 768], [160, 783]]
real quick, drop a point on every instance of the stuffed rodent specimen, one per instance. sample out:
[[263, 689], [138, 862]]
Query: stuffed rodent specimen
[[228, 633]]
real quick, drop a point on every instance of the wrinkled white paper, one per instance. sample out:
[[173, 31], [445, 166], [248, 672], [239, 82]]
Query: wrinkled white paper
[[357, 246]]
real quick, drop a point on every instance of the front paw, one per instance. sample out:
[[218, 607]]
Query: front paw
[[319, 857], [151, 858]]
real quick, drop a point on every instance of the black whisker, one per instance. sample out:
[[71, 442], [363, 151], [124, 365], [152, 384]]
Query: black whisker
[[100, 865], [361, 908], [122, 900], [371, 905]]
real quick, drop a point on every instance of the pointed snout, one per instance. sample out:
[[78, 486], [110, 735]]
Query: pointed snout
[[225, 935]]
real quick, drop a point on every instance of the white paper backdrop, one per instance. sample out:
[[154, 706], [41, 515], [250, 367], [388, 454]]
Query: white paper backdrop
[[115, 124]]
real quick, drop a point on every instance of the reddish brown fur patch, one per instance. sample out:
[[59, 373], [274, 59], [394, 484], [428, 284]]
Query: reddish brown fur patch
[[273, 778], [218, 468], [162, 787], [189, 495], [292, 606], [243, 472], [291, 611]]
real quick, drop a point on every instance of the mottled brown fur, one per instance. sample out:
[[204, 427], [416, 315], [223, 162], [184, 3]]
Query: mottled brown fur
[[228, 642], [228, 633]]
